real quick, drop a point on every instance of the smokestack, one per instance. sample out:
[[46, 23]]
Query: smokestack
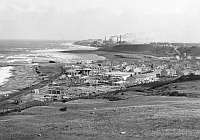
[[120, 38]]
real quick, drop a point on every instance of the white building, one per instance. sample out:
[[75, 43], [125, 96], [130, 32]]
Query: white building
[[138, 70]]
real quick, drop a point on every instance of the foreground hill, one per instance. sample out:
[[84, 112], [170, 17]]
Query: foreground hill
[[138, 117], [194, 50]]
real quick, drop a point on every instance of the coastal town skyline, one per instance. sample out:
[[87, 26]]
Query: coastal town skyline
[[155, 20]]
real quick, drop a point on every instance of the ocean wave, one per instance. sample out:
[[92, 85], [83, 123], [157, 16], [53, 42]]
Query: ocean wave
[[47, 50], [21, 56], [7, 92], [5, 74], [2, 56], [80, 47], [28, 60], [55, 54], [68, 47], [66, 44], [23, 49]]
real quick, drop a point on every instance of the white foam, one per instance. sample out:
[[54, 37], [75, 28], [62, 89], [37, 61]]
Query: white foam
[[66, 44], [80, 47], [47, 50], [5, 73], [25, 60], [53, 54], [69, 47], [77, 47], [7, 92], [20, 56]]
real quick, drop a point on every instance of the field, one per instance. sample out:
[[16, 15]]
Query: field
[[146, 49], [188, 89], [192, 49], [137, 117]]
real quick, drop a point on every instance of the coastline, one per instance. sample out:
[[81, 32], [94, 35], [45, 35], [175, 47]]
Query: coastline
[[13, 62]]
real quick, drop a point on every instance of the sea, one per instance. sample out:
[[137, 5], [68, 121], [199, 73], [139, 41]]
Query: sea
[[24, 52]]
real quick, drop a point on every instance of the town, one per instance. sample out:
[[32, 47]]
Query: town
[[121, 70], [90, 79]]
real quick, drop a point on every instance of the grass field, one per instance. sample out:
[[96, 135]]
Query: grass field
[[188, 88], [137, 117]]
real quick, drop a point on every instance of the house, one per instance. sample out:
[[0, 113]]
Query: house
[[142, 78], [168, 72], [172, 72], [121, 83], [91, 80], [178, 57], [71, 73], [123, 75], [197, 72], [131, 80], [187, 72], [138, 70], [85, 71], [130, 68], [55, 93]]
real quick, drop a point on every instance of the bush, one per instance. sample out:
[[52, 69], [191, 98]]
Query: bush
[[63, 109]]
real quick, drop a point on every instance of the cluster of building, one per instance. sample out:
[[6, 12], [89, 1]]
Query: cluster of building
[[108, 41], [93, 78]]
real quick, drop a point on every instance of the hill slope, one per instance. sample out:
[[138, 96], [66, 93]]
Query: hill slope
[[142, 48]]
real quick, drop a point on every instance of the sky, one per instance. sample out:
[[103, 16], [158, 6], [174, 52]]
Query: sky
[[148, 20]]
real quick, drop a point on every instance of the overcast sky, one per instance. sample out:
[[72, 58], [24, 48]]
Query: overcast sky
[[159, 20]]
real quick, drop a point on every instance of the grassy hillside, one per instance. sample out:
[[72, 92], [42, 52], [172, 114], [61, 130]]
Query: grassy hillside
[[138, 117], [142, 48], [194, 50]]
